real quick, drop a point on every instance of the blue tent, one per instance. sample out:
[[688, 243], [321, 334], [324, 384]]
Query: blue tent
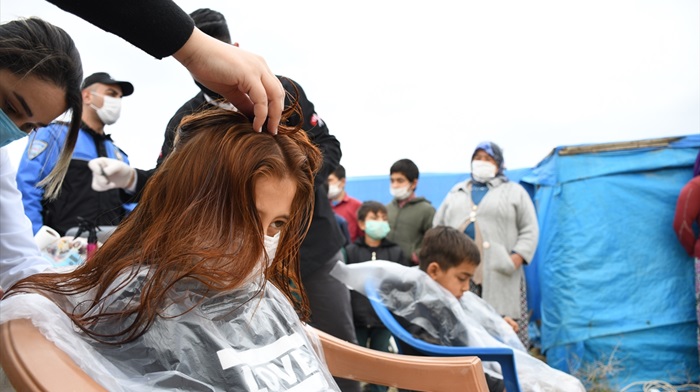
[[616, 286]]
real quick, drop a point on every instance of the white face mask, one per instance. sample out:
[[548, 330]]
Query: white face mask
[[401, 193], [271, 244], [110, 110], [334, 191], [483, 171]]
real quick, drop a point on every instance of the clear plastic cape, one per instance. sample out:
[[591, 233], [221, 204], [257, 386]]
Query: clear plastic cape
[[245, 339], [469, 321]]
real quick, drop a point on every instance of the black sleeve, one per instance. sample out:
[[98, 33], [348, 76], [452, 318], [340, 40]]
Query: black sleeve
[[169, 138], [142, 177], [159, 27], [324, 237], [197, 103], [343, 224], [403, 260], [315, 127]]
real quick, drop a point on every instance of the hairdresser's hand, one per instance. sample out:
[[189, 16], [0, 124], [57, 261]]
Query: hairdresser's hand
[[110, 173], [243, 78]]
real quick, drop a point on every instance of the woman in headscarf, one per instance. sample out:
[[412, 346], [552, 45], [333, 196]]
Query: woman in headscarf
[[500, 217]]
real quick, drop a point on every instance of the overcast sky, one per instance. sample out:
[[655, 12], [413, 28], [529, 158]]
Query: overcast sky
[[429, 80]]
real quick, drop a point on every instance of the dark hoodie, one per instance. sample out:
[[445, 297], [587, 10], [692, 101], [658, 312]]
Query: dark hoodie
[[362, 313]]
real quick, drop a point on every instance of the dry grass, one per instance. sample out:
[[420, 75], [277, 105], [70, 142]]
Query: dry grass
[[596, 375]]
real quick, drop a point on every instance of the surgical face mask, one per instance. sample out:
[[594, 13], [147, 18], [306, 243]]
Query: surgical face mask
[[377, 229], [110, 110], [401, 193], [483, 171], [9, 131], [334, 191], [271, 244]]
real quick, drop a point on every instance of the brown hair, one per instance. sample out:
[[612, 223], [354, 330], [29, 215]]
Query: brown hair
[[197, 220], [34, 47], [448, 247]]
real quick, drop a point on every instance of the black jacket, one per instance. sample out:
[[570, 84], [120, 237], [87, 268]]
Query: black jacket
[[77, 199], [158, 27], [362, 313], [324, 238]]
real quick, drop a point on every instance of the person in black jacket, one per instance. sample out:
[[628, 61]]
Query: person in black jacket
[[161, 29], [372, 219]]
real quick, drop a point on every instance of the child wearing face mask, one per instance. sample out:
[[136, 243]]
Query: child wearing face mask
[[410, 216], [156, 312], [500, 217], [372, 219], [343, 204]]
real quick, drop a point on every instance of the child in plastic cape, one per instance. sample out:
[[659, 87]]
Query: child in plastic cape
[[450, 258], [429, 304], [196, 288]]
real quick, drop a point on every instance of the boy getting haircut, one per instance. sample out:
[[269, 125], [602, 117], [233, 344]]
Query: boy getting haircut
[[448, 247]]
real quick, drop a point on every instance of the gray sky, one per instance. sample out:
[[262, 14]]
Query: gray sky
[[429, 80]]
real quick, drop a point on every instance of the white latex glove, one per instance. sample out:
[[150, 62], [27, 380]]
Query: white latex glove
[[110, 173]]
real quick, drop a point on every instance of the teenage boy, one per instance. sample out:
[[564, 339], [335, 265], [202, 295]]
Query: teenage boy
[[372, 219], [409, 216], [342, 203]]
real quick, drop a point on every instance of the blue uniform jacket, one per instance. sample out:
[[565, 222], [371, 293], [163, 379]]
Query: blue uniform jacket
[[76, 197]]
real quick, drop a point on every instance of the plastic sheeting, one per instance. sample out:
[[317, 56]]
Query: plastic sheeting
[[616, 286], [411, 294], [240, 340]]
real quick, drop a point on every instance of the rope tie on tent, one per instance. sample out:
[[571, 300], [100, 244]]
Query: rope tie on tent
[[660, 386]]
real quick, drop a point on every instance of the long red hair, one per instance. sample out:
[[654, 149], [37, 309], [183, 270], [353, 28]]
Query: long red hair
[[196, 220]]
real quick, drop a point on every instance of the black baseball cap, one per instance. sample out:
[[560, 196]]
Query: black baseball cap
[[104, 78]]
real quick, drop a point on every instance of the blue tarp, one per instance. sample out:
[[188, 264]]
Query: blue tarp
[[609, 281], [613, 278], [432, 186]]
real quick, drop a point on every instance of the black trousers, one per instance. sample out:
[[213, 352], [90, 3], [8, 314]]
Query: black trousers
[[331, 312]]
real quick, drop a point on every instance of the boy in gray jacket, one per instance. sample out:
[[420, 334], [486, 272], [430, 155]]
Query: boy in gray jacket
[[410, 216]]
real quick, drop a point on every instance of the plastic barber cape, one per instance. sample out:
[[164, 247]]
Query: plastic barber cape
[[469, 321], [242, 340]]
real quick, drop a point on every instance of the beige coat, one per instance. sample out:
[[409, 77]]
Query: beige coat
[[506, 222]]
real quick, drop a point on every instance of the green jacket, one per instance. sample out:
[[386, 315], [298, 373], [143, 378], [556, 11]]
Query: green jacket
[[409, 223]]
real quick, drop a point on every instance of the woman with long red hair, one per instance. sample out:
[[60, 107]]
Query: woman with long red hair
[[198, 288]]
